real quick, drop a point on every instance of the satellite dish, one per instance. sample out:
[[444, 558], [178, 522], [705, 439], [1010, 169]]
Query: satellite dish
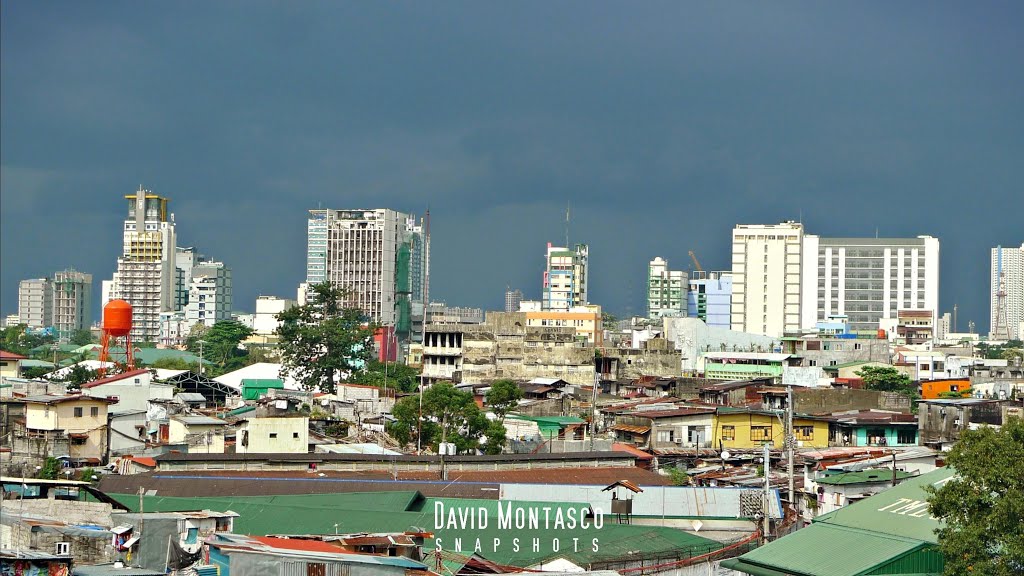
[[726, 455]]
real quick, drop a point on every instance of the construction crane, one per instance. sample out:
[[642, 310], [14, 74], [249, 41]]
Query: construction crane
[[695, 261]]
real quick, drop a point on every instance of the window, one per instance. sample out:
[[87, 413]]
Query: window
[[273, 435], [908, 436], [728, 432], [78, 412], [78, 441], [803, 432], [295, 434], [760, 433], [316, 569], [94, 411], [812, 362], [876, 437]]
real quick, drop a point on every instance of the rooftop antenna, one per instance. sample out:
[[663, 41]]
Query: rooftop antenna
[[566, 224]]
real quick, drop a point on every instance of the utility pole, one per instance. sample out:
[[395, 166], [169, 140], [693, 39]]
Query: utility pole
[[790, 441], [893, 467], [767, 493], [142, 522], [593, 409]]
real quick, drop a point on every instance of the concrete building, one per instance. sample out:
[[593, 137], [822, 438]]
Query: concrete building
[[35, 303], [512, 300], [766, 267], [272, 436], [202, 434], [666, 290], [565, 277], [174, 329], [505, 347], [380, 255], [11, 320], [1010, 262], [72, 302], [80, 421], [867, 279], [585, 320], [210, 295], [146, 274], [265, 320], [184, 260], [710, 298]]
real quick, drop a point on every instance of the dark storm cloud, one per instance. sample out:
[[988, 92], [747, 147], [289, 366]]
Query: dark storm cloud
[[664, 124]]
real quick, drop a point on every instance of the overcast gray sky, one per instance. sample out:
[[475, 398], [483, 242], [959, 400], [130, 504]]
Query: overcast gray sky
[[664, 125]]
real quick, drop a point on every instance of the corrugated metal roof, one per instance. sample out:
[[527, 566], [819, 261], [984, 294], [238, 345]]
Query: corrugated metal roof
[[199, 420], [828, 550], [862, 477]]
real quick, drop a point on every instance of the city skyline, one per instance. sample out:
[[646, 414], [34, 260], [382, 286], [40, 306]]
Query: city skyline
[[664, 128]]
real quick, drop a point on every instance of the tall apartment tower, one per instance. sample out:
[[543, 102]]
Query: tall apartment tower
[[710, 298], [565, 277], [381, 256], [512, 300], [35, 303], [1007, 278], [868, 279], [766, 261], [146, 273], [666, 290], [72, 302], [209, 295]]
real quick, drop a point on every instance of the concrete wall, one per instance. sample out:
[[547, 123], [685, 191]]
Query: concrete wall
[[132, 395], [274, 435], [825, 400], [391, 466], [692, 337]]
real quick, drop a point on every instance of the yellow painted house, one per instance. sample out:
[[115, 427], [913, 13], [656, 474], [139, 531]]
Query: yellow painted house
[[745, 428]]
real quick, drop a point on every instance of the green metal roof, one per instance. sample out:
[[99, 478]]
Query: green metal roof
[[888, 533], [559, 420], [862, 477], [828, 550], [398, 511], [241, 410], [263, 382]]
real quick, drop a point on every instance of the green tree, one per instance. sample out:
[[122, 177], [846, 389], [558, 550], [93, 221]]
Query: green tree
[[86, 474], [982, 506], [679, 476], [398, 376], [323, 339], [174, 364], [495, 437], [449, 415], [81, 337], [19, 340], [503, 396], [887, 379], [220, 342], [50, 469], [79, 374]]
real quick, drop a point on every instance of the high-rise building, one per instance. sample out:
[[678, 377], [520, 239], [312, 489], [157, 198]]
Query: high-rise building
[[710, 298], [72, 302], [868, 279], [11, 320], [1007, 279], [766, 261], [35, 303], [209, 295], [512, 300], [666, 290], [184, 260], [565, 277], [381, 256], [146, 273]]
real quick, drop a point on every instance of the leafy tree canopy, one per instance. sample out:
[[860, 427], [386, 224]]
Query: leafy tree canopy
[[219, 342], [324, 340], [449, 415], [887, 379], [397, 376], [503, 396], [19, 340], [982, 507], [81, 337]]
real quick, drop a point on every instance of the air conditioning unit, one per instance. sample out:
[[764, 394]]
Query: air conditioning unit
[[678, 440], [63, 549]]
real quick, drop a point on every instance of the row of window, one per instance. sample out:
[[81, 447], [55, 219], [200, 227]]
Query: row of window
[[93, 411]]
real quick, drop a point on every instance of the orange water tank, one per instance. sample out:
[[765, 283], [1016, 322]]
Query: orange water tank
[[117, 318], [881, 334]]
